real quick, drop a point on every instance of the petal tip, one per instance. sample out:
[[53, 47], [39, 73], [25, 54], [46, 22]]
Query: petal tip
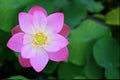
[[37, 8], [59, 56], [15, 43]]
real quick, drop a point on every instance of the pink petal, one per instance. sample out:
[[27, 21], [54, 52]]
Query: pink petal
[[39, 61], [39, 19], [16, 42], [28, 51], [16, 29], [37, 8], [65, 30], [60, 55], [24, 62], [55, 22], [57, 43], [26, 22], [27, 39]]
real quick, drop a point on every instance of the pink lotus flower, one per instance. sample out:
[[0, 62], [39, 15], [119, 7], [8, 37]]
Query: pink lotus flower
[[40, 38]]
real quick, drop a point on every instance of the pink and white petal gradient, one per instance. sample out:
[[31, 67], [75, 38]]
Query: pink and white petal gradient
[[55, 22], [27, 51], [16, 42], [39, 19], [57, 43], [60, 55], [64, 32], [26, 22], [39, 61]]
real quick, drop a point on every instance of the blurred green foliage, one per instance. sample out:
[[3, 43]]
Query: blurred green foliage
[[113, 17], [94, 40]]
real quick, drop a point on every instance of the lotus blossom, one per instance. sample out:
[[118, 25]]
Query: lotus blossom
[[39, 38]]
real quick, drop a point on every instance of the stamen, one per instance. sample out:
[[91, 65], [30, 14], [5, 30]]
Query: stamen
[[39, 39]]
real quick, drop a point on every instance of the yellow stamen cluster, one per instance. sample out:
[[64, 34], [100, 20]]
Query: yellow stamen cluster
[[39, 39]]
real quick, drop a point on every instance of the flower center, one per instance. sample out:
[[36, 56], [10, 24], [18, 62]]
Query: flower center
[[39, 39]]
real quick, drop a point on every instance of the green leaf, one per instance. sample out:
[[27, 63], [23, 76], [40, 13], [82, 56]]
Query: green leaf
[[74, 12], [92, 70], [9, 12], [78, 52], [50, 68], [18, 77], [93, 6], [112, 73], [106, 52], [113, 17], [69, 71], [82, 39], [90, 29]]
